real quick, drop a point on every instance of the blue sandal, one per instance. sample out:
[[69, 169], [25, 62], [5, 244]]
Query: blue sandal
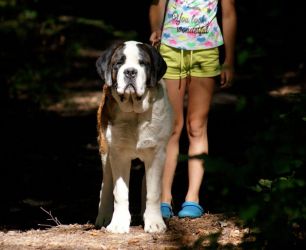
[[191, 209], [166, 210]]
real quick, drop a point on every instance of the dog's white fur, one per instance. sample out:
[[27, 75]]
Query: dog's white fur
[[139, 125]]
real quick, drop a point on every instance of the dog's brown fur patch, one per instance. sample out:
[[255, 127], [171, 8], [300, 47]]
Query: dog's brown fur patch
[[102, 119]]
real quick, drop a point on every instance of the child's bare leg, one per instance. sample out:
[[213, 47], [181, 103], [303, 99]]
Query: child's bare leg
[[176, 92], [200, 92]]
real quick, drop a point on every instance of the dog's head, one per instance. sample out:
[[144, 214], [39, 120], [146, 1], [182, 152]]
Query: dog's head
[[130, 69]]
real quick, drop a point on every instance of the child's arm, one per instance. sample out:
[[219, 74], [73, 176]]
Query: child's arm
[[229, 26], [156, 16]]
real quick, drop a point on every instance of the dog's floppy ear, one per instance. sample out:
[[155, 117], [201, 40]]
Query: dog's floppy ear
[[104, 66], [159, 65]]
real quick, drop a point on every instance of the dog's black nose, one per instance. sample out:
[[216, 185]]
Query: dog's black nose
[[130, 73]]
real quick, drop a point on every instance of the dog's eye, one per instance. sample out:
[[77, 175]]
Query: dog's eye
[[118, 64], [143, 63]]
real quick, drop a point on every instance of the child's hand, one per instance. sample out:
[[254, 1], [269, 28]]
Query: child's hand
[[155, 37], [227, 75]]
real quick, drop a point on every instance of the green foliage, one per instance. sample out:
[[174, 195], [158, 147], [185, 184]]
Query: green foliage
[[248, 50], [276, 209], [7, 3], [276, 203], [38, 51]]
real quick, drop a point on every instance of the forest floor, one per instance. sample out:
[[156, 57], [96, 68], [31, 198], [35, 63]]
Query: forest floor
[[214, 231]]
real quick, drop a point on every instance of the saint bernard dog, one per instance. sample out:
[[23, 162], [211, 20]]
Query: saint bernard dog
[[134, 121]]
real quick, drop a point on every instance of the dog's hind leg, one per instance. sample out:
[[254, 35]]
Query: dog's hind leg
[[106, 205], [143, 194]]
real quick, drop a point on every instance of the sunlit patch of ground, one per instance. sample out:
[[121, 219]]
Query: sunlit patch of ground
[[286, 90], [80, 103]]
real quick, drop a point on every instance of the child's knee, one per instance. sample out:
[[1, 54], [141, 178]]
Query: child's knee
[[196, 128]]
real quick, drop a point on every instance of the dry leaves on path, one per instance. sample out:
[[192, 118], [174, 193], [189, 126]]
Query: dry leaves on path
[[211, 230]]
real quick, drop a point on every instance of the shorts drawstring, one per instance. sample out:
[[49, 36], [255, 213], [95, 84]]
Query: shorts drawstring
[[191, 53], [181, 66], [189, 66]]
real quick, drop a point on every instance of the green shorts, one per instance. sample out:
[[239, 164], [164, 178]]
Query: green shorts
[[182, 63]]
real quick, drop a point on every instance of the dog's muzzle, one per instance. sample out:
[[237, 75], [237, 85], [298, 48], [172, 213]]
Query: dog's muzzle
[[130, 88], [130, 75]]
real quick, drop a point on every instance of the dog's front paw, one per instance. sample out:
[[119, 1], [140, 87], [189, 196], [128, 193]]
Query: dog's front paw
[[154, 223], [120, 223], [118, 227]]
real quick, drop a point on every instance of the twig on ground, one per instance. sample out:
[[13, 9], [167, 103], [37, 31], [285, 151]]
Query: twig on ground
[[52, 218]]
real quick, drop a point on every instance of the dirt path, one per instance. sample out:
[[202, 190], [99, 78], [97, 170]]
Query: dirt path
[[212, 230]]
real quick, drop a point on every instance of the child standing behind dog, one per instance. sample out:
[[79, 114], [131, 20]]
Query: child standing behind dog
[[189, 38]]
